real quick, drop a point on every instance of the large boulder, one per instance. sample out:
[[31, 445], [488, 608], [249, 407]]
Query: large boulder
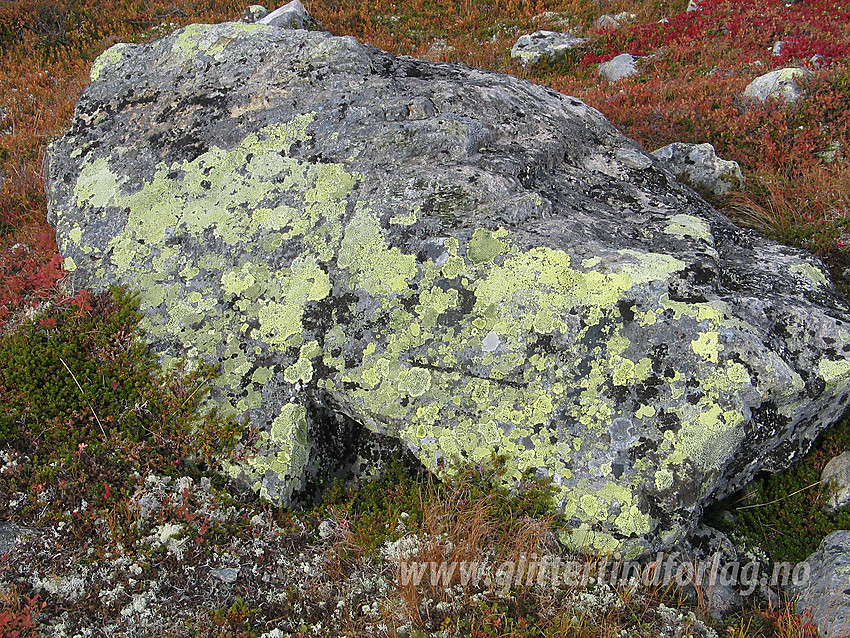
[[455, 260]]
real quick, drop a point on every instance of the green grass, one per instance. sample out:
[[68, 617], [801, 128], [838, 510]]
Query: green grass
[[784, 512]]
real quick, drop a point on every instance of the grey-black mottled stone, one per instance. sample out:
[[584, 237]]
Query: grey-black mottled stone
[[825, 590], [388, 249], [253, 13], [10, 534], [615, 21]]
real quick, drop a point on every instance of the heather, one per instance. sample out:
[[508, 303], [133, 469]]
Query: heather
[[87, 416]]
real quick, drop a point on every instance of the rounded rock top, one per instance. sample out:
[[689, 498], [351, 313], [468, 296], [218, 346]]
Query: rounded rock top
[[784, 84]]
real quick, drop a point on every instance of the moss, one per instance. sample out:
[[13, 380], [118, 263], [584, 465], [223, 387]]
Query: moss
[[84, 399], [784, 512]]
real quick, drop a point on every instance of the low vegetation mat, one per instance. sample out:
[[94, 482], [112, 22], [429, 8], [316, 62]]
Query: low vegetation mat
[[109, 465]]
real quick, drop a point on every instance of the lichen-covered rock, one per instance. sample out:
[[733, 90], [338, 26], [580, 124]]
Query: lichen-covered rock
[[699, 166], [9, 535], [457, 260], [532, 48], [781, 84]]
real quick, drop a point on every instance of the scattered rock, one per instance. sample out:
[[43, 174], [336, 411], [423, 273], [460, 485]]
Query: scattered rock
[[545, 45], [699, 166], [776, 51], [559, 19], [781, 84], [836, 474], [227, 575], [712, 551], [833, 152], [619, 67], [693, 5], [290, 16], [381, 252], [254, 13], [608, 21], [9, 532], [825, 593]]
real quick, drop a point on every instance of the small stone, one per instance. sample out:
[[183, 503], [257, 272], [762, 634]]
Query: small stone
[[619, 67], [253, 13], [9, 532], [608, 21], [776, 51], [698, 165], [290, 16], [544, 45], [226, 575], [836, 475]]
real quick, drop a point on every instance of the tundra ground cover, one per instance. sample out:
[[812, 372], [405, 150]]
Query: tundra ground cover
[[77, 461]]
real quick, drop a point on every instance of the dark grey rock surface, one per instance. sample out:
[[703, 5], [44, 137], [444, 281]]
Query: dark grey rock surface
[[825, 594]]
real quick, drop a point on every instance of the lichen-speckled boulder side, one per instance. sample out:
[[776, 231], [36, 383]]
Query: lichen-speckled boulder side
[[458, 260]]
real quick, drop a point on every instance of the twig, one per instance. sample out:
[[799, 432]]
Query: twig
[[84, 397], [200, 385], [779, 500]]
